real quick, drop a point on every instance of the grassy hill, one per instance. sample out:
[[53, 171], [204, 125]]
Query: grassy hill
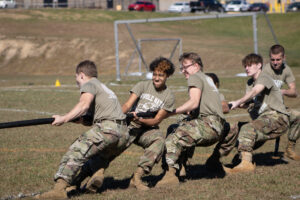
[[53, 41], [39, 46]]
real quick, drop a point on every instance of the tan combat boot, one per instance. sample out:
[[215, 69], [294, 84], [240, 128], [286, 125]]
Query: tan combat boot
[[182, 171], [136, 180], [96, 181], [57, 193], [170, 178], [290, 151], [245, 166]]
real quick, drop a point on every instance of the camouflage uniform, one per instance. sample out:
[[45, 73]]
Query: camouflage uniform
[[226, 143], [285, 75], [268, 126], [149, 138], [205, 128], [294, 130], [104, 141], [203, 131], [152, 140], [270, 117]]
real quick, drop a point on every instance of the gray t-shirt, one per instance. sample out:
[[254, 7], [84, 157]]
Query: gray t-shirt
[[105, 104], [210, 102], [285, 75], [269, 99], [152, 100]]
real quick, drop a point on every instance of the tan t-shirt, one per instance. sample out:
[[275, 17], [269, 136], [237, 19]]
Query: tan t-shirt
[[152, 100], [210, 102], [105, 104], [269, 99], [222, 97], [285, 75]]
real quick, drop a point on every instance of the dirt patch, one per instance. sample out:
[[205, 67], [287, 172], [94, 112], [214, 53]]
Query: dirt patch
[[15, 16], [55, 47]]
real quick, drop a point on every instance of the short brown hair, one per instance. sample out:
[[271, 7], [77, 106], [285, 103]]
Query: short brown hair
[[88, 68], [276, 49], [191, 56], [252, 58]]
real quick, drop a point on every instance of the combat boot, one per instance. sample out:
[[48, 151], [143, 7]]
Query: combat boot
[[182, 171], [290, 151], [245, 166], [82, 177], [57, 193], [96, 181], [136, 180], [170, 178]]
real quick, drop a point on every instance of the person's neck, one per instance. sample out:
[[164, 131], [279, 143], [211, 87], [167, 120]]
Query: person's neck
[[256, 75], [85, 80], [163, 87]]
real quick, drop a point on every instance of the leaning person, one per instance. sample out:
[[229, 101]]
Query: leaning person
[[222, 149], [270, 119], [108, 134], [149, 96], [205, 128], [282, 74]]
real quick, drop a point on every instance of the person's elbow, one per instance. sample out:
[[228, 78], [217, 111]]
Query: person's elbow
[[194, 105], [290, 93], [84, 108], [156, 122], [294, 94]]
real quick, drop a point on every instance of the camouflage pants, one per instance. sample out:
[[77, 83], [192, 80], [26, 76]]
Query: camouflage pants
[[152, 140], [106, 140], [197, 132], [294, 129], [267, 126], [223, 148], [228, 140]]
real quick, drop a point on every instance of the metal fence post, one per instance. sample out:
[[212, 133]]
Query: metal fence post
[[117, 51], [255, 33]]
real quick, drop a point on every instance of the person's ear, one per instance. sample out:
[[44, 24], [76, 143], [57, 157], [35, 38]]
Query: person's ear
[[259, 65], [81, 75]]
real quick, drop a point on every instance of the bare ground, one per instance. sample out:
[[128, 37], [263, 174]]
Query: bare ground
[[57, 46]]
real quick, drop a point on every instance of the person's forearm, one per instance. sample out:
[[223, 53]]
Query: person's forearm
[[79, 110], [150, 122], [186, 107], [125, 108], [289, 93]]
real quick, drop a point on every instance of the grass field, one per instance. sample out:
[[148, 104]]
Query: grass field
[[29, 156]]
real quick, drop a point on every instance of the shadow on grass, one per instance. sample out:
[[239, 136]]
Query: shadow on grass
[[267, 159], [109, 183], [193, 172], [262, 159]]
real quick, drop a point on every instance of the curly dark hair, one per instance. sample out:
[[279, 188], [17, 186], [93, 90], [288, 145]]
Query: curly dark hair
[[162, 64]]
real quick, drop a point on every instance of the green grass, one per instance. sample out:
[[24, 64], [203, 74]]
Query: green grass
[[29, 156], [80, 15]]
